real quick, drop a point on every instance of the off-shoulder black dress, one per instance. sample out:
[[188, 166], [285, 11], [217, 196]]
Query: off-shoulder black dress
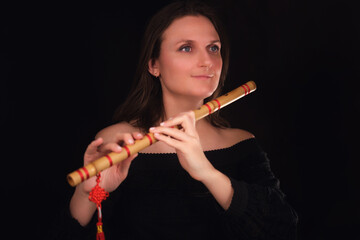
[[159, 200]]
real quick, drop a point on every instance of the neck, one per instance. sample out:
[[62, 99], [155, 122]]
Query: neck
[[174, 105]]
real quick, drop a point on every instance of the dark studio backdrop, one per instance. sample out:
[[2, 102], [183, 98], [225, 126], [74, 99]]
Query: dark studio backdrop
[[68, 66]]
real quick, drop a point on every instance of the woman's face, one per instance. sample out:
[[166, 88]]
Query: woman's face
[[190, 61]]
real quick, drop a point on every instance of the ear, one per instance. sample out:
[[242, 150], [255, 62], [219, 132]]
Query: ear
[[153, 67]]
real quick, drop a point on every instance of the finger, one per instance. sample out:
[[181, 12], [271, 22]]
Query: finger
[[122, 138], [189, 123], [179, 119], [169, 141], [137, 135], [111, 147], [186, 120], [93, 146], [172, 132], [171, 122], [128, 138], [119, 137]]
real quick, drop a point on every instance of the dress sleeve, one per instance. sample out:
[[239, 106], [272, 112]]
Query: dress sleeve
[[258, 209]]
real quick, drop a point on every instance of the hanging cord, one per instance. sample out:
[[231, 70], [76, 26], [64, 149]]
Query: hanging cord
[[97, 195]]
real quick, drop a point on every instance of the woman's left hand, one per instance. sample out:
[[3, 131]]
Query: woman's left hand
[[186, 142]]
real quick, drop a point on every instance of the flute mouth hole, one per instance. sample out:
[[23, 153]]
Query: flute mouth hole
[[70, 181]]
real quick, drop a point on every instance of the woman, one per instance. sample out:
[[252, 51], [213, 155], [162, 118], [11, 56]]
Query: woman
[[205, 181]]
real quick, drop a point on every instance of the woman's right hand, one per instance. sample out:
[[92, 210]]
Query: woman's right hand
[[80, 206], [112, 177]]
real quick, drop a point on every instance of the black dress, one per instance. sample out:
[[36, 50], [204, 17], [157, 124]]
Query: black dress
[[159, 200]]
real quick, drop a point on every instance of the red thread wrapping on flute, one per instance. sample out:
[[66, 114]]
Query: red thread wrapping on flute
[[86, 172], [150, 140], [81, 175], [208, 107], [127, 150], [110, 160], [218, 103], [247, 88]]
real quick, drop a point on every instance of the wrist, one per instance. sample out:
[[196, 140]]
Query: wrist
[[81, 208], [209, 175], [220, 187], [81, 193]]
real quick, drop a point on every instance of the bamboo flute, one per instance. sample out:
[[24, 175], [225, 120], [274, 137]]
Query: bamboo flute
[[112, 158]]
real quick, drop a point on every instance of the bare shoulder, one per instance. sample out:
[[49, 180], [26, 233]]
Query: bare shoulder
[[235, 135], [111, 131]]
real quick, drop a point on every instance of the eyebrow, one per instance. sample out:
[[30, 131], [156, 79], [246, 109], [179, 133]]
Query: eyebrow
[[191, 41]]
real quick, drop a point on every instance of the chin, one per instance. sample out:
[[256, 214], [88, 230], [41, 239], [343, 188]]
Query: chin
[[200, 91], [204, 93]]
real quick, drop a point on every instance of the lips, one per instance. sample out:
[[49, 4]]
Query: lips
[[203, 76]]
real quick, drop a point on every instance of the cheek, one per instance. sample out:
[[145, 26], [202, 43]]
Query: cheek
[[217, 64], [175, 67]]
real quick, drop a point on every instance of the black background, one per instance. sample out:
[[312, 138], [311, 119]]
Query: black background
[[68, 66]]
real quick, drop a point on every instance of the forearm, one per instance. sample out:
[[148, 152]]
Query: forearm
[[220, 187], [81, 208]]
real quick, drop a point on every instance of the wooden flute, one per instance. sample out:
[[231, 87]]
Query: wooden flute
[[112, 158]]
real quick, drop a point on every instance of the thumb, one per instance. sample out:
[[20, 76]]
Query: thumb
[[92, 147]]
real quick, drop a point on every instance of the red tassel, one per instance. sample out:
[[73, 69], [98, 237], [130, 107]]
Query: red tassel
[[100, 234], [97, 195]]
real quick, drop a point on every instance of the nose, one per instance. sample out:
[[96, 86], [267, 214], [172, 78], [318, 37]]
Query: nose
[[205, 60]]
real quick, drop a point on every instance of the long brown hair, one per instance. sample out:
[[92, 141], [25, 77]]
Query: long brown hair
[[143, 107]]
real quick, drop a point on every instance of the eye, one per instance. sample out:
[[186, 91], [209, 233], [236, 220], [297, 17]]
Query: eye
[[214, 48], [185, 48]]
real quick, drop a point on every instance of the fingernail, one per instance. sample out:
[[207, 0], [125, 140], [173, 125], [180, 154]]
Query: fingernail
[[152, 129], [118, 148], [162, 124], [131, 141], [139, 135]]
